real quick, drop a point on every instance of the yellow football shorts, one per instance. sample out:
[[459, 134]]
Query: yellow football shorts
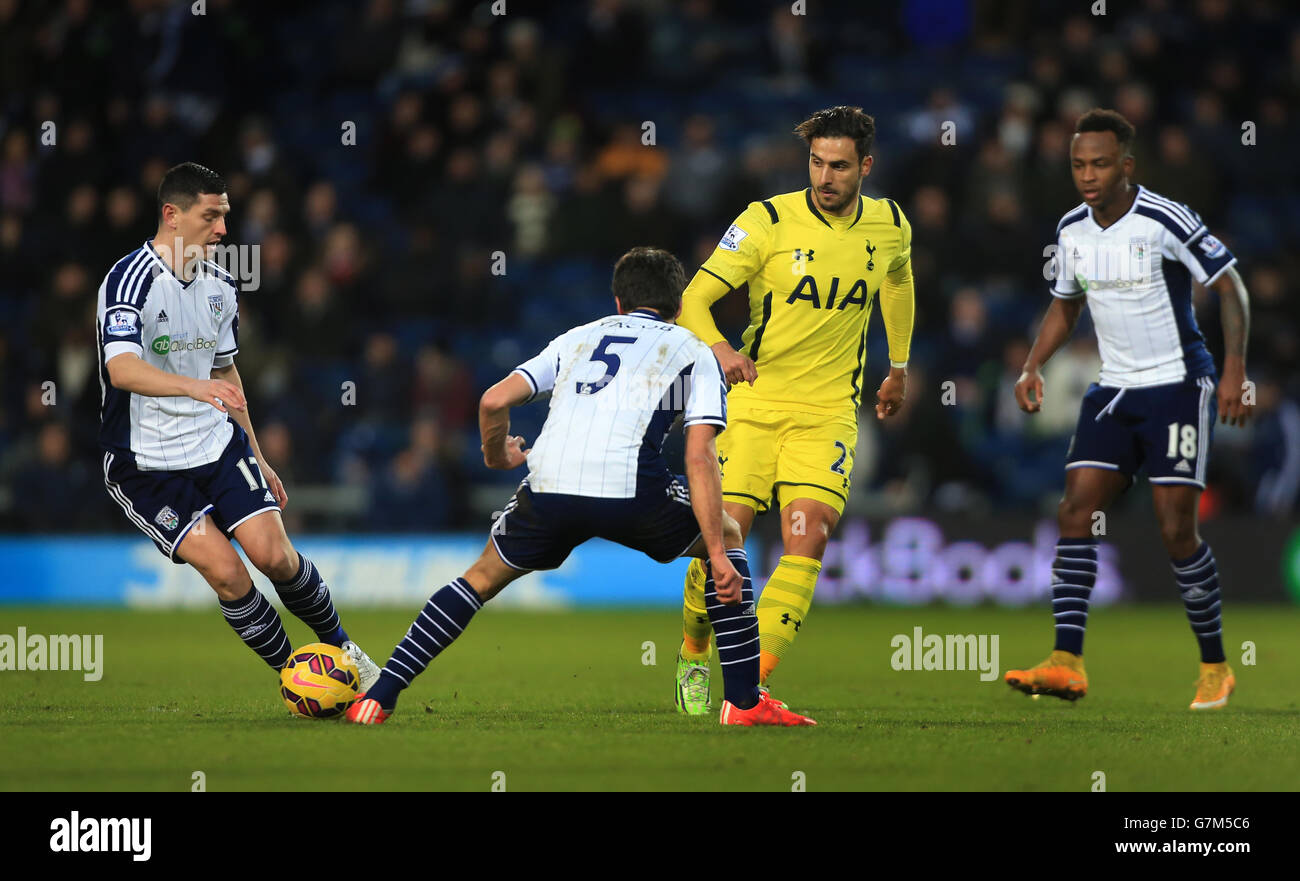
[[768, 454]]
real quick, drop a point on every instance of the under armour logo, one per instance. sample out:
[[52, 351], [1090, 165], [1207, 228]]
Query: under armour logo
[[786, 619], [800, 254]]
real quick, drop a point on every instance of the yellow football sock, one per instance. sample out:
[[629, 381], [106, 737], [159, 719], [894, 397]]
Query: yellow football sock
[[695, 618], [783, 607]]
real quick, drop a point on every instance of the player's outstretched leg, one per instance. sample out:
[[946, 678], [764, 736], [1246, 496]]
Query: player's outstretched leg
[[736, 631], [693, 658], [444, 617]]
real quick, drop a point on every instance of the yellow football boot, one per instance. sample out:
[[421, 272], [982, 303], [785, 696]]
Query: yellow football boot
[[1212, 689]]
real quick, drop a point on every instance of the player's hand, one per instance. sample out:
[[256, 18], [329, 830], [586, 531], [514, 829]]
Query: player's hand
[[735, 366], [218, 393], [726, 580], [1233, 408], [890, 395], [515, 456], [274, 483], [1030, 381]]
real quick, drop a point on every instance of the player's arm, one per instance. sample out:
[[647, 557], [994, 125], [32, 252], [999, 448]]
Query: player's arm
[[697, 317], [501, 451], [230, 374], [1234, 313], [1058, 326], [898, 311], [738, 257], [706, 501], [128, 372]]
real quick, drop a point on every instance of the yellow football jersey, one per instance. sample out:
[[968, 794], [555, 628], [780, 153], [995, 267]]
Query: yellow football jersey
[[813, 279]]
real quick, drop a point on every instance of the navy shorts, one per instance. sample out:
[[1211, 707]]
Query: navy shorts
[[1167, 428], [538, 530], [165, 505]]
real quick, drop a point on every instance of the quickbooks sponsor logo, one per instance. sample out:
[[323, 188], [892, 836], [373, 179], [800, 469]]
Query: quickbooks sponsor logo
[[165, 345]]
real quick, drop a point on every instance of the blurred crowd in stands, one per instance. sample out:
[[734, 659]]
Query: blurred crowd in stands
[[436, 191]]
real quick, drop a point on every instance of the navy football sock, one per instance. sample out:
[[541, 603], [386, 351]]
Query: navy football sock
[[735, 631], [308, 597], [445, 617], [257, 623], [1074, 572], [1198, 582]]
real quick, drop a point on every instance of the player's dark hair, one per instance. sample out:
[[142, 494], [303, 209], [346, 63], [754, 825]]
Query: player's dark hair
[[649, 277], [840, 122], [183, 183], [1100, 120]]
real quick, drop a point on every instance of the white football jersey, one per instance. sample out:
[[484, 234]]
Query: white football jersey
[[1137, 274], [182, 328], [617, 385]]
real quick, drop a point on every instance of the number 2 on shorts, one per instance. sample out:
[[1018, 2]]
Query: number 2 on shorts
[[838, 465]]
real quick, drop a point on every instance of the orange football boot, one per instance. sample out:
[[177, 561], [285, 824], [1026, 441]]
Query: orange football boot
[[1212, 689], [766, 712], [367, 712], [1061, 675]]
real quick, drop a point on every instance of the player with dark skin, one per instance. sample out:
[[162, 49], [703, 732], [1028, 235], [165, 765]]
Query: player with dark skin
[[1102, 177], [836, 176]]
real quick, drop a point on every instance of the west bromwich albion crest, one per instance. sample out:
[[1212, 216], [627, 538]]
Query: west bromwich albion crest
[[215, 303], [167, 519]]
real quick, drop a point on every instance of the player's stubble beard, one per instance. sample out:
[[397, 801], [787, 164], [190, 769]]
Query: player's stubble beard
[[850, 194]]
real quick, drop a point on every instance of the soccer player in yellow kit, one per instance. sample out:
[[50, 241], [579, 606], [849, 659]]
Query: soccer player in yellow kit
[[815, 261]]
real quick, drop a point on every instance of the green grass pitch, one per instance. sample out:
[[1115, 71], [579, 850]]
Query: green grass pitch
[[564, 701]]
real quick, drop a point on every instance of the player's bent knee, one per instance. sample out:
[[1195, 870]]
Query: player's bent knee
[[812, 545], [490, 574], [279, 563], [228, 579], [1179, 537], [1074, 515], [274, 557]]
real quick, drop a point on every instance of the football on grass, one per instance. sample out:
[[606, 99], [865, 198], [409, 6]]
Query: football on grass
[[318, 682]]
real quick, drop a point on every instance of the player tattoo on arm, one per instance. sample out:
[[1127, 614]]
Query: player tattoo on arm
[[1234, 313]]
